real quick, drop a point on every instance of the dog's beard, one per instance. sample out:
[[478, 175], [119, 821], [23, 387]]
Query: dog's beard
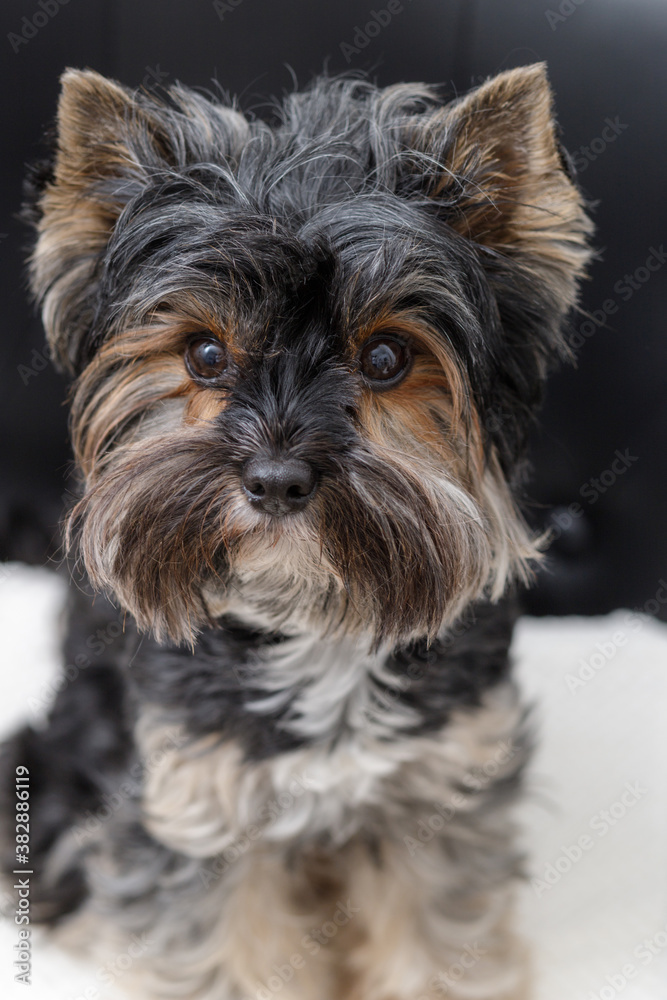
[[391, 546]]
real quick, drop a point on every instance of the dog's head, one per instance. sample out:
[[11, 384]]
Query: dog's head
[[306, 354]]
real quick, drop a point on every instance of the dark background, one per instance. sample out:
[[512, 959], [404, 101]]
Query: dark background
[[607, 61]]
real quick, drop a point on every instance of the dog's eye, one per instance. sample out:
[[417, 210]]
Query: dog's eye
[[205, 358], [384, 361]]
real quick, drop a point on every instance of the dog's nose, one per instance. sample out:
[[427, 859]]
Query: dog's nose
[[279, 486]]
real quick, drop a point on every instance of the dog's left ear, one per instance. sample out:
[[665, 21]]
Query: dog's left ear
[[94, 174], [111, 143], [493, 161], [491, 167]]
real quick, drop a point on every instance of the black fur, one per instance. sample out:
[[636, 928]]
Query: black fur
[[290, 241], [180, 235], [207, 692], [86, 749]]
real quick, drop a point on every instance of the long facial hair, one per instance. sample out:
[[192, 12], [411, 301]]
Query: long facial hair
[[408, 523], [365, 212]]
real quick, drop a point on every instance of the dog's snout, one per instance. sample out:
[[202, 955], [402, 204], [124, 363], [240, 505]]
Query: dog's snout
[[279, 486]]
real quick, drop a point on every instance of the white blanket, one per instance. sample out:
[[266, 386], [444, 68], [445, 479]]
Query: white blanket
[[594, 818]]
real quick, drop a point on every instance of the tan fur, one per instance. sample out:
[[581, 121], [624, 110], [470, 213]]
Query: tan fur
[[392, 922], [519, 198], [99, 122], [123, 415], [134, 400], [411, 947], [268, 852]]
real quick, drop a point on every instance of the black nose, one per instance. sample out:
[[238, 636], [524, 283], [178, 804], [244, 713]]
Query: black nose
[[279, 486]]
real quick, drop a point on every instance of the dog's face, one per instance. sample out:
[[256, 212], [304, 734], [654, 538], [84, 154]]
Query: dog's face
[[306, 354]]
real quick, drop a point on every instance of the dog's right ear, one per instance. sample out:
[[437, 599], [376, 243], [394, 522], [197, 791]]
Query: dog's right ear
[[111, 143], [77, 205]]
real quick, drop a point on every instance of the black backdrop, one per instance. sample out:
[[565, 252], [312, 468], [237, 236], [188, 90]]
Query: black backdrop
[[607, 64]]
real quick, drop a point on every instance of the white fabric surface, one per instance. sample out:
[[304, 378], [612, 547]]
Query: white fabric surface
[[598, 919]]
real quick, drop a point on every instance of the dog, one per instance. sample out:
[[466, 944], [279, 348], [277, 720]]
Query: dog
[[306, 357]]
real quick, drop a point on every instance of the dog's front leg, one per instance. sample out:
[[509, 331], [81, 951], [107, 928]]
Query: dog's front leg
[[436, 907]]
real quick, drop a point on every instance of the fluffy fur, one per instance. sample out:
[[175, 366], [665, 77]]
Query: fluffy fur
[[315, 708]]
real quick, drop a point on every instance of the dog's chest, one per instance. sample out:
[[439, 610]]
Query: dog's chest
[[358, 754], [340, 714]]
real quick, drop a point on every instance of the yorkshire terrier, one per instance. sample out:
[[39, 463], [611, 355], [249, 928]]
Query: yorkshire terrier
[[306, 358]]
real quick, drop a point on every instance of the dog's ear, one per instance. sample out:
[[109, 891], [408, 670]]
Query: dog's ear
[[491, 161], [110, 144], [93, 175], [491, 167], [517, 195]]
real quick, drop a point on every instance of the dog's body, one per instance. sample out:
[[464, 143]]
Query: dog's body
[[307, 357]]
